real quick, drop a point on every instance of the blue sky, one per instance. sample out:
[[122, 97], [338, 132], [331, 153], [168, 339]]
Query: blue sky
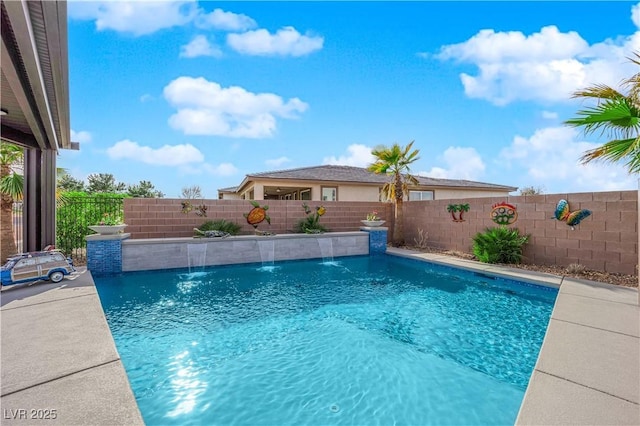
[[202, 93]]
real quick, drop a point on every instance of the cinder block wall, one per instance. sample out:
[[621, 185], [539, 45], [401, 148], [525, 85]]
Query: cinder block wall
[[605, 241], [163, 217]]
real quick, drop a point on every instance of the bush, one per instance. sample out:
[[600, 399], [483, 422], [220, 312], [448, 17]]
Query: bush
[[221, 225], [309, 225], [499, 245], [76, 211]]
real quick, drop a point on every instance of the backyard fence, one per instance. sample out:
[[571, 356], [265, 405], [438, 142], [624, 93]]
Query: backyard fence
[[16, 221], [605, 241], [74, 215]]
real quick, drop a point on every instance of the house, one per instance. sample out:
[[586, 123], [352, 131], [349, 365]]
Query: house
[[346, 183], [35, 108]]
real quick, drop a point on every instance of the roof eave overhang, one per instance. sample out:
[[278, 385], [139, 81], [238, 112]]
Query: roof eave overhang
[[35, 64]]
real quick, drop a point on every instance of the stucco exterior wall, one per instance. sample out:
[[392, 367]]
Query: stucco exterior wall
[[358, 193], [446, 193]]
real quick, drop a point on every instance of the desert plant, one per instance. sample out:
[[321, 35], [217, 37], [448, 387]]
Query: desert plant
[[499, 245], [310, 224], [576, 268], [221, 225], [421, 239]]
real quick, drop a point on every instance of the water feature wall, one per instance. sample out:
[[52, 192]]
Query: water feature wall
[[168, 253]]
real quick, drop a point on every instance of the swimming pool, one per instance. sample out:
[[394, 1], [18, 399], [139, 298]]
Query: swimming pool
[[365, 340]]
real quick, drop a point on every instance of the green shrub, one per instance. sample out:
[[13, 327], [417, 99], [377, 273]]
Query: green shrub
[[221, 225], [309, 225], [76, 211], [499, 245]]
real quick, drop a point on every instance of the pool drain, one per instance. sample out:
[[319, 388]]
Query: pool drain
[[334, 408]]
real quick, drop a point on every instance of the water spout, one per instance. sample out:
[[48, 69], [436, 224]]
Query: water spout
[[266, 252], [326, 249], [196, 255]]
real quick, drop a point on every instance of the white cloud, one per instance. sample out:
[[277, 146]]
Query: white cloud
[[199, 46], [225, 21], [206, 108], [550, 115], [81, 136], [461, 163], [286, 42], [545, 66], [358, 155], [551, 158], [635, 15], [146, 98], [222, 169], [167, 155], [277, 162], [138, 17]]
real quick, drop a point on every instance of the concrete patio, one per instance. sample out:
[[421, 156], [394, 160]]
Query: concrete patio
[[58, 354], [59, 362]]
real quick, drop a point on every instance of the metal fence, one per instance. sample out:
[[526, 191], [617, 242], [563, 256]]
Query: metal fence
[[16, 221], [74, 215]]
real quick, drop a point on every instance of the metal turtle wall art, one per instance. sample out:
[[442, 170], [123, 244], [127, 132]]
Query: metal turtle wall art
[[257, 215]]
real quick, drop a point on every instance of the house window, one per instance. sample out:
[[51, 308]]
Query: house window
[[305, 194], [420, 195], [329, 193]]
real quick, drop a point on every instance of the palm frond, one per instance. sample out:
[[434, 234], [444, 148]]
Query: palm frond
[[12, 185], [599, 91], [615, 151], [618, 116]]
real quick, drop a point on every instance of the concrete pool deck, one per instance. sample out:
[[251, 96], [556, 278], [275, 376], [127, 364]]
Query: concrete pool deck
[[57, 353]]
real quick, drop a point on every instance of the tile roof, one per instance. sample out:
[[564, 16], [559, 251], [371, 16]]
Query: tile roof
[[362, 175], [228, 189]]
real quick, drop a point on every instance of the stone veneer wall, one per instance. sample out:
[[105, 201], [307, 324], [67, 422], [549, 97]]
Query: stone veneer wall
[[162, 217], [149, 254], [605, 241]]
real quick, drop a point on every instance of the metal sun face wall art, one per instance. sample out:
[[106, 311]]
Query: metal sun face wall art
[[504, 213]]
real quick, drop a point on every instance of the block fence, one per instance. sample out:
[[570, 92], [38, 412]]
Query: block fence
[[163, 217], [605, 241]]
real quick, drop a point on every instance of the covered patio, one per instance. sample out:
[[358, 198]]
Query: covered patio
[[35, 106]]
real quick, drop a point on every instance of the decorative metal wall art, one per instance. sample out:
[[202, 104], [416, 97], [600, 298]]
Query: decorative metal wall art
[[457, 208], [572, 219], [504, 213]]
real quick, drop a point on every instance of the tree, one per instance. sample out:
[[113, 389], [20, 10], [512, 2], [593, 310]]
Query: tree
[[104, 182], [11, 187], [394, 161], [616, 114], [191, 192], [532, 190], [68, 183], [144, 189]]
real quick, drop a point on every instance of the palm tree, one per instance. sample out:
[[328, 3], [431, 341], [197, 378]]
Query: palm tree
[[616, 114], [394, 161], [11, 185]]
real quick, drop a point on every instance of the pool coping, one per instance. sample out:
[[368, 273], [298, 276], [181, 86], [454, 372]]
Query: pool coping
[[58, 353]]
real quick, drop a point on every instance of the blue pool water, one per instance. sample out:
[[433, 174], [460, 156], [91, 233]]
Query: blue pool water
[[365, 340]]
